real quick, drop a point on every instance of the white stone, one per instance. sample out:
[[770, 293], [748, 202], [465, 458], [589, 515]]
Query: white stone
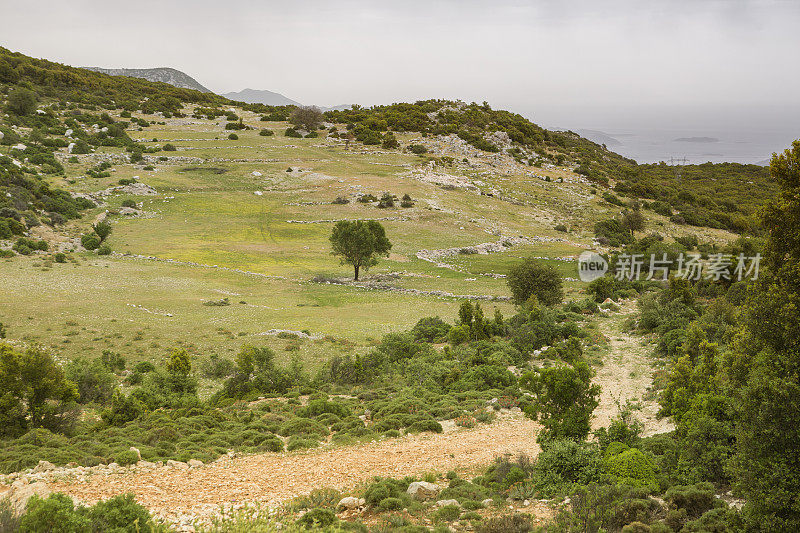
[[195, 463], [422, 490], [44, 466], [349, 503], [442, 503], [256, 173]]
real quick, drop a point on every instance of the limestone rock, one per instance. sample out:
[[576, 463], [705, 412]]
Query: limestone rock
[[44, 466], [422, 490], [137, 452], [442, 503], [350, 503], [195, 463], [22, 492]]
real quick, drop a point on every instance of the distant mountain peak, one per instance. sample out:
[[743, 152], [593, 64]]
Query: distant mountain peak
[[163, 74], [256, 96]]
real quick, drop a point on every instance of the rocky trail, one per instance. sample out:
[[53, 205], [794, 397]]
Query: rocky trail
[[626, 375], [181, 494]]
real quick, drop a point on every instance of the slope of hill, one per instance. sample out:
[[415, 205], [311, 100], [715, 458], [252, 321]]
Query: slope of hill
[[168, 75], [254, 96]]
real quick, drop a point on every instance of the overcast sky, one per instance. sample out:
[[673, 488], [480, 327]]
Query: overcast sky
[[551, 59]]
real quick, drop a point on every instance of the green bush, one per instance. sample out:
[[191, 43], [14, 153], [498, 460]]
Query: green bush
[[317, 518], [104, 249], [517, 523], [233, 137], [534, 278], [630, 467], [169, 148], [390, 504], [303, 427], [55, 513], [94, 381], [90, 241], [126, 457], [266, 132], [448, 513]]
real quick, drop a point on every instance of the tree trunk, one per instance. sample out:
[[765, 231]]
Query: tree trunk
[[356, 269]]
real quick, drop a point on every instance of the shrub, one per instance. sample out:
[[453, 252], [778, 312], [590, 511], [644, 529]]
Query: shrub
[[561, 227], [42, 515], [95, 383], [695, 499], [418, 149], [302, 426], [104, 249], [431, 329], [448, 513], [387, 200], [291, 132], [563, 463], [317, 518], [300, 443], [233, 137], [518, 523], [390, 504], [126, 457], [90, 241], [169, 148], [266, 132], [533, 278], [631, 467], [129, 202], [60, 257]]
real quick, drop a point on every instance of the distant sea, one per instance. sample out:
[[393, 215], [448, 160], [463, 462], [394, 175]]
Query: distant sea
[[649, 134], [652, 146]]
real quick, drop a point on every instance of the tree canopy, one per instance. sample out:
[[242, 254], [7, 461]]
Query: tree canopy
[[534, 278], [359, 243]]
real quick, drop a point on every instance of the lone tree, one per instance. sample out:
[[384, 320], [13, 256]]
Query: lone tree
[[307, 117], [532, 278], [359, 243]]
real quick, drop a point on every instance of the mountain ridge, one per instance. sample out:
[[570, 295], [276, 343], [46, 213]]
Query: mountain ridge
[[168, 75], [260, 96]]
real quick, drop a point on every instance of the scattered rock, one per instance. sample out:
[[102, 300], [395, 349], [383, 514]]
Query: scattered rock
[[176, 464], [350, 503], [195, 463], [422, 490], [487, 502], [44, 466], [442, 503]]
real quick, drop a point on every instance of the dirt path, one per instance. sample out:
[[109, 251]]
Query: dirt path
[[626, 375], [269, 479], [272, 478]]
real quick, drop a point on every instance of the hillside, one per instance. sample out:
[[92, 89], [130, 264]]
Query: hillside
[[167, 75], [168, 283]]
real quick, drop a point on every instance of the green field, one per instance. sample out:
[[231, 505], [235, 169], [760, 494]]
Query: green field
[[255, 250]]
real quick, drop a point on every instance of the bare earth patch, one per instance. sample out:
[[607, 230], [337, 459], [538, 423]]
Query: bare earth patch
[[625, 376], [273, 478]]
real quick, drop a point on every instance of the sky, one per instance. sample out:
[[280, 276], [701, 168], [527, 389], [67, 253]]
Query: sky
[[572, 63]]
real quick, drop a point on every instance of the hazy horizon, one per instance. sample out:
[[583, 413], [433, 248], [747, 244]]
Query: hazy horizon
[[615, 66]]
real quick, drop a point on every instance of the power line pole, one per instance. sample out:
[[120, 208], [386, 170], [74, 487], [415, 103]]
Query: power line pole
[[676, 166]]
